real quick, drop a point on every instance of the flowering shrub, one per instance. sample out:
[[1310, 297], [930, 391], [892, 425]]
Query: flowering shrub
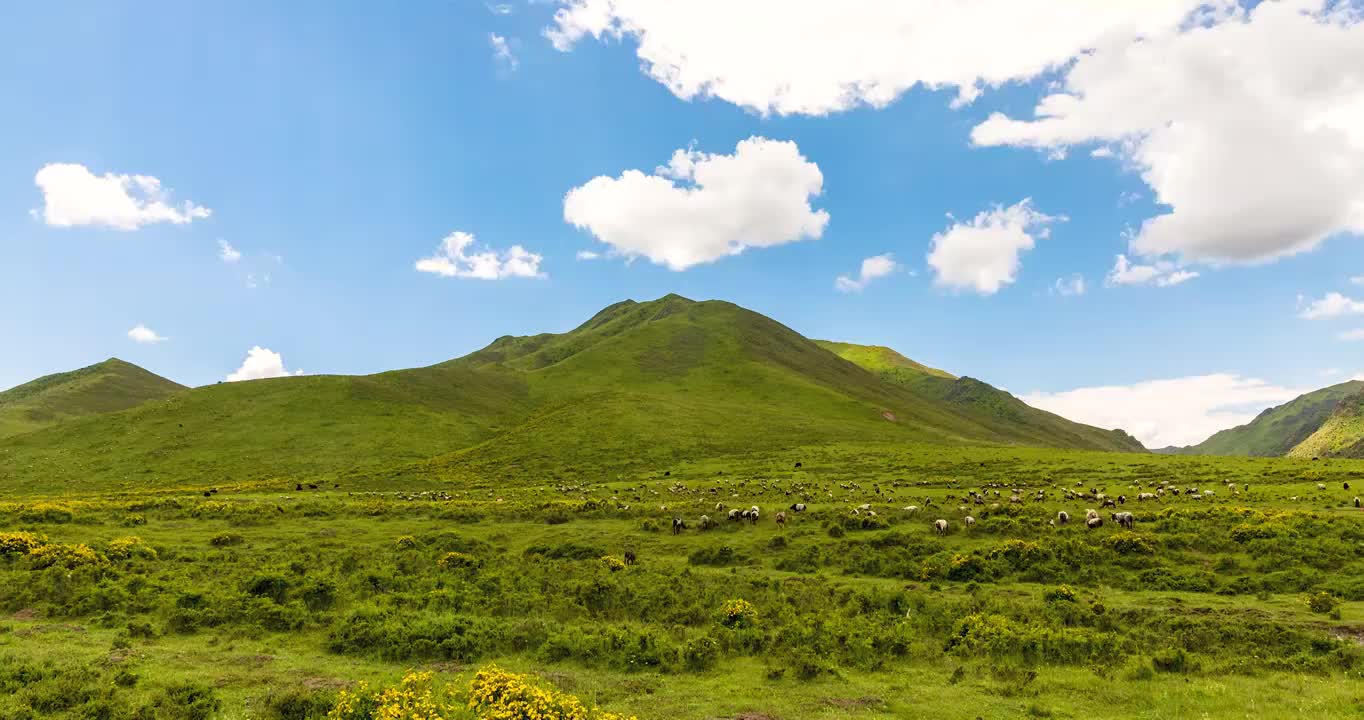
[[738, 613], [130, 547], [415, 697], [1322, 602], [67, 556], [496, 694], [1061, 593], [406, 542], [458, 561], [613, 563], [1130, 543], [20, 543], [46, 512]]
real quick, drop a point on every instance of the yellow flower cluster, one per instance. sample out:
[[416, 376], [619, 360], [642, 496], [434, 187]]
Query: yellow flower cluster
[[68, 556], [613, 563], [20, 543], [737, 613], [130, 547], [457, 560], [406, 542], [415, 697], [499, 695]]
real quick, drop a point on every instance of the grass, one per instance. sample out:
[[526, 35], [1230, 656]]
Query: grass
[[1342, 435], [855, 616], [106, 387]]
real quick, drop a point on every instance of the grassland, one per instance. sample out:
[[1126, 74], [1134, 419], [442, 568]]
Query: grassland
[[261, 600], [105, 387]]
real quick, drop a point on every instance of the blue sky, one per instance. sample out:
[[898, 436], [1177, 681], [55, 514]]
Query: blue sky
[[337, 145]]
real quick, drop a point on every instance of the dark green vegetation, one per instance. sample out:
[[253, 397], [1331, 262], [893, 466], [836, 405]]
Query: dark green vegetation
[[262, 602], [637, 385], [1278, 430], [107, 387], [1342, 435]]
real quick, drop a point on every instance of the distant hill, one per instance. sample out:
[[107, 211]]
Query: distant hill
[[1278, 430], [984, 404], [105, 387], [1342, 435], [639, 385]]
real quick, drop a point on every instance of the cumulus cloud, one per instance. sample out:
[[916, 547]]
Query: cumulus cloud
[[1357, 280], [1333, 305], [878, 266], [261, 363], [588, 255], [1176, 411], [1353, 335], [1069, 286], [502, 52], [456, 257], [814, 58], [227, 253], [145, 335], [73, 196], [1247, 123], [703, 207], [1161, 273], [983, 254]]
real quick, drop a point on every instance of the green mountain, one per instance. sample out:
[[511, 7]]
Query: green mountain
[[1342, 435], [105, 387], [1276, 431], [638, 386], [987, 406]]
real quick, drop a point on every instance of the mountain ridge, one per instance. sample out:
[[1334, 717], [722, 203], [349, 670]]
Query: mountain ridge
[[1276, 431], [108, 386]]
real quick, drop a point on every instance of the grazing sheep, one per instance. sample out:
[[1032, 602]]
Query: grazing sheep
[[911, 509], [864, 507], [1124, 519], [719, 506], [1321, 486], [753, 515], [1122, 499], [678, 525], [969, 521], [1357, 502], [1062, 517], [1015, 499], [629, 557], [1094, 522], [781, 519], [1109, 502], [706, 523], [940, 526], [1090, 514], [798, 507], [1343, 485]]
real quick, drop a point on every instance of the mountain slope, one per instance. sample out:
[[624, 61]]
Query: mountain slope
[[105, 387], [637, 386], [1342, 435], [987, 406], [1276, 431]]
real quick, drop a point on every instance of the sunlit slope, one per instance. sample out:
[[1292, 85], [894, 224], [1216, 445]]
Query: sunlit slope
[[105, 387], [1276, 431], [989, 407], [1342, 435]]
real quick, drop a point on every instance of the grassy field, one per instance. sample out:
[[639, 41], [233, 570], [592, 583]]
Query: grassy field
[[262, 600]]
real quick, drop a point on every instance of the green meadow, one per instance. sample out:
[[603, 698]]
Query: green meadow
[[257, 599]]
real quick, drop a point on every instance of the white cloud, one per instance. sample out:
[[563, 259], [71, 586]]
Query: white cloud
[[261, 363], [1162, 273], [454, 259], [1247, 124], [1333, 305], [502, 52], [73, 196], [878, 266], [500, 8], [1176, 411], [983, 254], [143, 334], [813, 58], [588, 255], [1353, 335], [702, 207], [1357, 280], [227, 253], [1069, 286]]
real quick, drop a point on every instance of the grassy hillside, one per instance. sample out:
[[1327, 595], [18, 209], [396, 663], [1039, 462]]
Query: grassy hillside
[[106, 387], [1342, 435], [984, 404], [639, 385], [1277, 430]]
